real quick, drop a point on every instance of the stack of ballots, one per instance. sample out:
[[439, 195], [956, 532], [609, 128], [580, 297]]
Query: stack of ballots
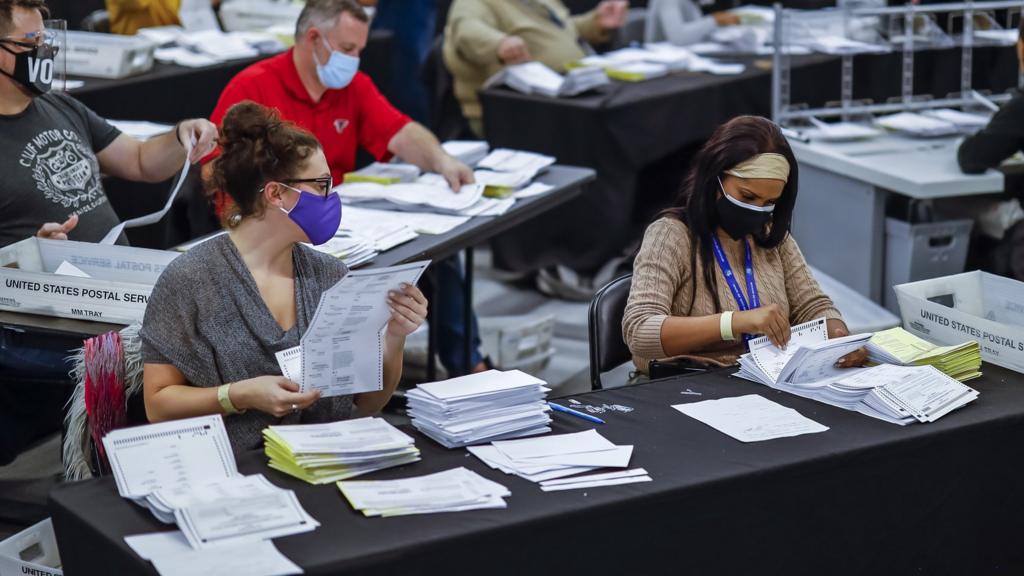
[[897, 346], [549, 457], [454, 490], [479, 408], [322, 453]]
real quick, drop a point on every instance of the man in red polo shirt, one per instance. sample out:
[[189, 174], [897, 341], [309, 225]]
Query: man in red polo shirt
[[318, 86]]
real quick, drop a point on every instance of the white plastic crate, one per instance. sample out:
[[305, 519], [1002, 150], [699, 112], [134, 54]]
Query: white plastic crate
[[969, 306], [32, 551], [97, 55], [116, 291], [250, 15], [517, 342]]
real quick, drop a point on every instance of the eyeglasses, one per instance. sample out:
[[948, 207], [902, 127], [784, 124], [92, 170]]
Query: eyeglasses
[[31, 40], [323, 184]]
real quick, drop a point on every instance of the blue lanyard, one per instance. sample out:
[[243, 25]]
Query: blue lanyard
[[730, 278]]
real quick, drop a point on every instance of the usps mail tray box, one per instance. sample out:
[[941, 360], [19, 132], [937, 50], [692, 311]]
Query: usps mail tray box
[[970, 306], [32, 551], [116, 291]]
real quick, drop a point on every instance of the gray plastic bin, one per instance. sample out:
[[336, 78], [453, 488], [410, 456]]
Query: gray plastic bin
[[923, 251]]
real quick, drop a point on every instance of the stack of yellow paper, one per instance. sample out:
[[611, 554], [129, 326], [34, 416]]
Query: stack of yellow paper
[[322, 453], [897, 346]]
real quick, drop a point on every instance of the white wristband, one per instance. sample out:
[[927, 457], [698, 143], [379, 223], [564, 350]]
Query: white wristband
[[725, 326]]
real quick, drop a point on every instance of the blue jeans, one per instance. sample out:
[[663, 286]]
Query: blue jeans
[[34, 386], [451, 297], [412, 22]]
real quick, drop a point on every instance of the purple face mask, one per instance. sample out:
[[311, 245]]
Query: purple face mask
[[317, 216]]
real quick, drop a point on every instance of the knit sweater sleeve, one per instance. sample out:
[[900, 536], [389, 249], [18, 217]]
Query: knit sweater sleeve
[[806, 300], [662, 267]]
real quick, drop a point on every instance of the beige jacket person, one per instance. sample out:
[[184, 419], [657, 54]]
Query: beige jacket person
[[476, 27]]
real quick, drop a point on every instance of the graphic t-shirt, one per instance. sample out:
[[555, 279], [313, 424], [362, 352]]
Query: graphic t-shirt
[[50, 172]]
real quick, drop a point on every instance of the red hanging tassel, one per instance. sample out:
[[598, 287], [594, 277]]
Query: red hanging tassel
[[104, 388]]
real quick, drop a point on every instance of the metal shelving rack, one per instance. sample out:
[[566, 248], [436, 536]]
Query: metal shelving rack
[[784, 112]]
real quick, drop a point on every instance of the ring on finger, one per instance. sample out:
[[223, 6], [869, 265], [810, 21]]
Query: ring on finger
[[295, 408]]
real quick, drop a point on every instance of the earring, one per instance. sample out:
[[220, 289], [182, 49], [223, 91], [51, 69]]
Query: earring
[[235, 219]]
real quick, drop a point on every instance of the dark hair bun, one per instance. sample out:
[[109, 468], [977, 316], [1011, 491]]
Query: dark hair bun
[[257, 147]]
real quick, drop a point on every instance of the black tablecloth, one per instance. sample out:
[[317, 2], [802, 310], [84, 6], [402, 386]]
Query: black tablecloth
[[625, 129], [865, 497]]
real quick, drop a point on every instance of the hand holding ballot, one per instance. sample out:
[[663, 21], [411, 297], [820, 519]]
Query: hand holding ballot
[[408, 310]]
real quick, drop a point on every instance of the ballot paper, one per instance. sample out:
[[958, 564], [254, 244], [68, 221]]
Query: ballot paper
[[453, 490], [155, 217], [810, 355], [249, 516], [141, 130], [364, 221], [172, 555], [384, 173], [596, 480], [197, 16], [536, 78], [897, 346], [68, 269], [177, 453], [259, 558], [478, 408], [414, 196], [750, 418], [917, 125], [841, 131], [833, 44], [322, 453], [548, 457], [467, 151], [342, 351], [962, 120], [924, 392], [535, 189], [517, 161]]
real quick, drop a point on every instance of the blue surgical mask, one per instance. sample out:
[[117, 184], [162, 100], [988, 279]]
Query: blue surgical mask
[[339, 70]]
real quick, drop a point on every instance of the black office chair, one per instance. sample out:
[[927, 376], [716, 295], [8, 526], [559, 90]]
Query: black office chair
[[446, 120], [607, 348]]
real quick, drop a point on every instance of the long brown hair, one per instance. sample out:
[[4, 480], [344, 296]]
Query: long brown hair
[[736, 141]]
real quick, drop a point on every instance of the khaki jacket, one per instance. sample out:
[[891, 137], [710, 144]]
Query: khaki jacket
[[476, 27]]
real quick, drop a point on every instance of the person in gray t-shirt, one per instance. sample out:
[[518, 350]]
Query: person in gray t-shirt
[[53, 149], [219, 313]]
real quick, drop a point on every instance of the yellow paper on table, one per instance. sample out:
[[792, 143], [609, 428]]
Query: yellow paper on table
[[897, 346]]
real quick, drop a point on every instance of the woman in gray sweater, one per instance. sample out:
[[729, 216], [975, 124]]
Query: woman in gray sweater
[[220, 312]]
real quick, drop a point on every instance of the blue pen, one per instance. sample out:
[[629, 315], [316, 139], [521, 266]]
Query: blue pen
[[576, 413]]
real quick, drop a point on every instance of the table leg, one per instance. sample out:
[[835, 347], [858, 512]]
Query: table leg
[[433, 330], [840, 225], [467, 314]]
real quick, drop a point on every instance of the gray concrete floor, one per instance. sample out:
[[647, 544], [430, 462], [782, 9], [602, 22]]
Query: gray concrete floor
[[25, 483]]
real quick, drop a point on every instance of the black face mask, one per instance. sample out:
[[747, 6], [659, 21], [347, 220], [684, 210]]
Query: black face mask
[[32, 69], [739, 219]]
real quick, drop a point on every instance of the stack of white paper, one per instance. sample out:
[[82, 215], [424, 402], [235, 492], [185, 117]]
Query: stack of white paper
[[897, 394], [415, 196], [172, 555], [841, 131], [809, 357], [353, 251], [536, 78], [550, 457], [385, 173], [380, 225], [184, 472], [453, 490], [468, 152], [965, 121], [231, 511], [515, 161], [750, 418], [480, 407], [322, 453], [917, 124], [832, 44], [596, 480]]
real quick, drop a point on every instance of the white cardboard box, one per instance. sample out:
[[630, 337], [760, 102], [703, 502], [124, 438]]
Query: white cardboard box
[[117, 289], [969, 306], [31, 551], [98, 55]]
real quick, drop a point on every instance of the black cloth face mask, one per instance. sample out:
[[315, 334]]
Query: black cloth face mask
[[739, 219], [33, 69]]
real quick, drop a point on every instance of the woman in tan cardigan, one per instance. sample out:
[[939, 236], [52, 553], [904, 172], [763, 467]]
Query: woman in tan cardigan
[[731, 222]]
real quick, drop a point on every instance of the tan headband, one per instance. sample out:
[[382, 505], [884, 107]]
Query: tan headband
[[772, 166]]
